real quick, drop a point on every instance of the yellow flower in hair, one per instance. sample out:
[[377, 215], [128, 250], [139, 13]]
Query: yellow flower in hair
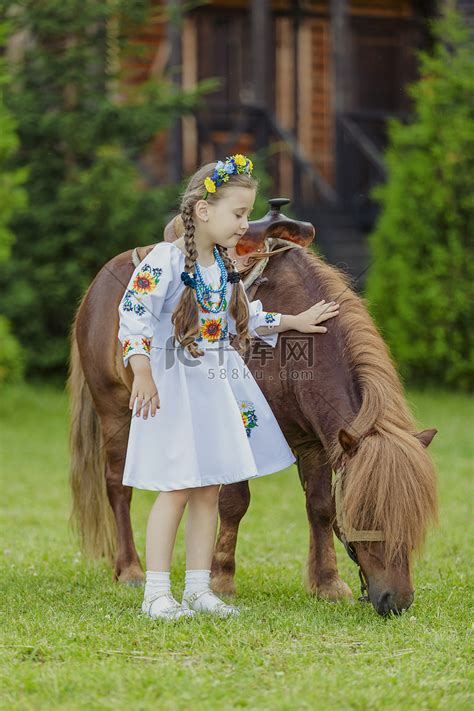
[[250, 164], [239, 159], [210, 185]]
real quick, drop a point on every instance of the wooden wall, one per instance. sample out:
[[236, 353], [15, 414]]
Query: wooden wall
[[311, 117], [308, 114]]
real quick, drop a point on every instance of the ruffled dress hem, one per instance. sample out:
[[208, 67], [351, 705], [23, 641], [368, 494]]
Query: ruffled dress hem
[[283, 464]]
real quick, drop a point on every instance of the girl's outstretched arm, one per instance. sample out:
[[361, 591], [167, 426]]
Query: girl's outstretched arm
[[306, 321]]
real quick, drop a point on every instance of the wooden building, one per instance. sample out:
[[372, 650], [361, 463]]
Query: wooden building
[[308, 84]]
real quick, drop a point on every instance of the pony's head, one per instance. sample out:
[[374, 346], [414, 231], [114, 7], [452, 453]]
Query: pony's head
[[387, 500], [389, 482]]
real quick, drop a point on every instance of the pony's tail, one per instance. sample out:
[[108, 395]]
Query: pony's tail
[[91, 519]]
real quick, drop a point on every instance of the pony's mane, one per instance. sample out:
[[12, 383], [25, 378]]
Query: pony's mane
[[390, 482]]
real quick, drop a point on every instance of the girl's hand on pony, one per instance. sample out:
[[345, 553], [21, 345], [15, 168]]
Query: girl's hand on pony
[[145, 392], [306, 321]]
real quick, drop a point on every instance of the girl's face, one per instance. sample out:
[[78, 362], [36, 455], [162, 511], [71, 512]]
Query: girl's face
[[227, 220]]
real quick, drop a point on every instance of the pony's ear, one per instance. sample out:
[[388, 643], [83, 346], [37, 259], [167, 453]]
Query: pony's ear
[[346, 440], [174, 229], [425, 436]]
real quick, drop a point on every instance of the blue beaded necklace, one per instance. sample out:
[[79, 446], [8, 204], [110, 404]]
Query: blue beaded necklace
[[204, 291]]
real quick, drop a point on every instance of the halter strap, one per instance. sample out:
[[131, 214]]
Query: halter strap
[[350, 534]]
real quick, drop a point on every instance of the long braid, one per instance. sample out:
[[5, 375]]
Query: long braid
[[190, 244], [238, 308], [185, 317], [228, 263]]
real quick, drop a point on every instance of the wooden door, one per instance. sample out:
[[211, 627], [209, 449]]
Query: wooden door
[[224, 51]]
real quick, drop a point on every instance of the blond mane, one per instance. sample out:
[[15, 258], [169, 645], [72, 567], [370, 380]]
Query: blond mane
[[390, 482]]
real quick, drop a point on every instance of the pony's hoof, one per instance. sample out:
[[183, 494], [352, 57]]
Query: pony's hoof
[[223, 584], [335, 590], [132, 577]]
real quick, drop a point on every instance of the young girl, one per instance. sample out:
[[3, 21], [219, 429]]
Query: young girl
[[210, 423]]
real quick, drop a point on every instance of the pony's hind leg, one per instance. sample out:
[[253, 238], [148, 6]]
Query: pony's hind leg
[[127, 567], [234, 501], [322, 576]]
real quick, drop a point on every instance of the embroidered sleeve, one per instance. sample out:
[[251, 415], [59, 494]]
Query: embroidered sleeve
[[142, 302], [258, 317]]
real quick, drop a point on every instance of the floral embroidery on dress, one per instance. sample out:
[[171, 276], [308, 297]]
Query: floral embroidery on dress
[[225, 331], [212, 330], [249, 418], [146, 344], [126, 347], [270, 316], [145, 282], [142, 344], [147, 279], [128, 305]]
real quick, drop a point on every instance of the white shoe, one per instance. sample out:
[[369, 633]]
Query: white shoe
[[171, 611], [207, 601]]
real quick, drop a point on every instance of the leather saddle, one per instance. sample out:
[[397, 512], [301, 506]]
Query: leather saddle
[[272, 234]]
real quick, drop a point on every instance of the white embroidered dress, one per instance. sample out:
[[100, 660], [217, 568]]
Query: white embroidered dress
[[214, 424]]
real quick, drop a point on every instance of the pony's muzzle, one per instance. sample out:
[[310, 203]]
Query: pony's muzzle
[[393, 602]]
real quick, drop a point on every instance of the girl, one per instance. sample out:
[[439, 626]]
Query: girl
[[210, 423]]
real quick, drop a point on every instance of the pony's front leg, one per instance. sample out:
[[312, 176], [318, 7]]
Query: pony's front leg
[[234, 501], [322, 576]]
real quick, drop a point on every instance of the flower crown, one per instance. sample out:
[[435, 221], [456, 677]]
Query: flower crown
[[237, 163]]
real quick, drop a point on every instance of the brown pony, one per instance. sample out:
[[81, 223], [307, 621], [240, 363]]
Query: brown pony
[[328, 393]]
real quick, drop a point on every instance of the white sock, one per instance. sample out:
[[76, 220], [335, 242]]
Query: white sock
[[157, 582], [197, 580]]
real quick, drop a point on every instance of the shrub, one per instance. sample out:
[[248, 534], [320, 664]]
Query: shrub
[[420, 284]]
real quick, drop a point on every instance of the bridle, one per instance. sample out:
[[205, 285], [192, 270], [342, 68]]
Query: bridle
[[350, 535]]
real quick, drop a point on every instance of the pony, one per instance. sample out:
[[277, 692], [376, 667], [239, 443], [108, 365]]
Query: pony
[[339, 401]]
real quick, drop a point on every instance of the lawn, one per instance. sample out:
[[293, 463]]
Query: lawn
[[73, 639]]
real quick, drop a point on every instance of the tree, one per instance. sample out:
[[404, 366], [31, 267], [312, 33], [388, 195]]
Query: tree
[[82, 144], [12, 200], [420, 285]]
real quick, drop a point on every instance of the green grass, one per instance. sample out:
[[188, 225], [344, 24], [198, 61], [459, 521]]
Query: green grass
[[73, 639]]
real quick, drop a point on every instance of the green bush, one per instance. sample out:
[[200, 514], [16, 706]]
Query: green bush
[[88, 198], [12, 356], [420, 284], [12, 200]]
